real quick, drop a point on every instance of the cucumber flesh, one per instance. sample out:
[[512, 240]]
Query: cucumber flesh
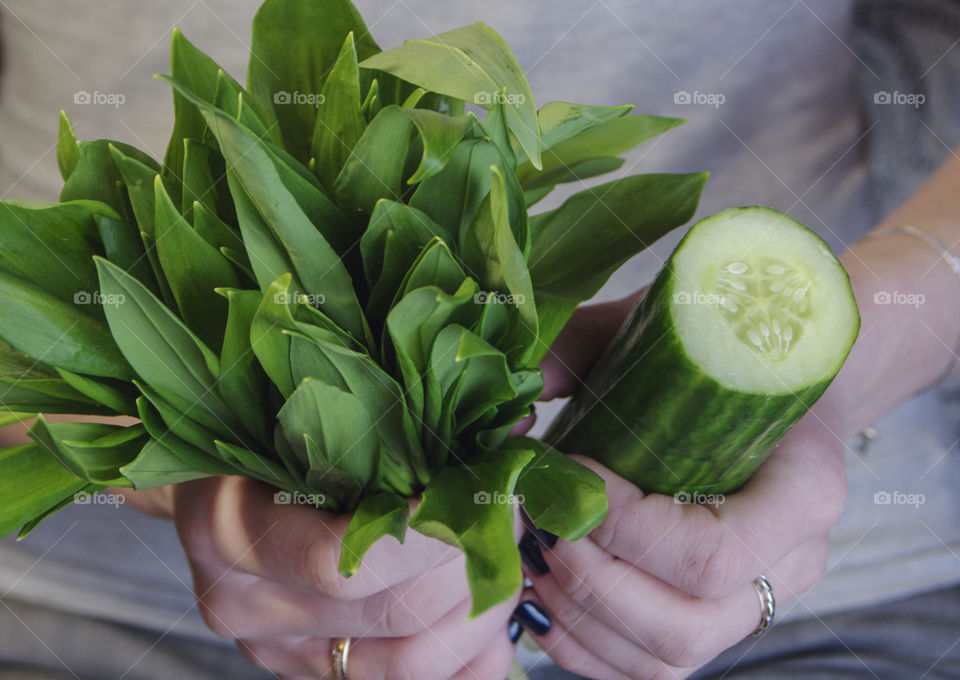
[[739, 334], [765, 305]]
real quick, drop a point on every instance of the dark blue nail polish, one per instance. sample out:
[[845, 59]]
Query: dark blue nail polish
[[531, 555], [543, 537], [546, 538], [532, 617], [514, 630]]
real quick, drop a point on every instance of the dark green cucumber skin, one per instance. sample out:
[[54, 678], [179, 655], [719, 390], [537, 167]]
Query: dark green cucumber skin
[[651, 415]]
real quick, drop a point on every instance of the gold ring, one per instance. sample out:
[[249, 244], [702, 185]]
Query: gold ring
[[767, 604], [339, 651]]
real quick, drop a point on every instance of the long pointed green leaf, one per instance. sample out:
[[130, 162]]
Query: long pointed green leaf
[[474, 64], [379, 515], [56, 332], [471, 506], [289, 65]]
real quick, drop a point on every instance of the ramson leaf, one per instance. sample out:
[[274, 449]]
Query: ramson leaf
[[471, 506], [289, 63], [379, 515], [474, 64]]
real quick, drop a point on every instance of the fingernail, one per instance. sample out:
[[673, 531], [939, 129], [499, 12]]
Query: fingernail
[[514, 630], [546, 538], [531, 555], [532, 617]]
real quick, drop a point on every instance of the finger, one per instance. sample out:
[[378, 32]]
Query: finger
[[524, 425], [607, 605], [435, 654], [233, 523], [568, 653], [492, 662], [248, 607], [580, 344], [710, 551]]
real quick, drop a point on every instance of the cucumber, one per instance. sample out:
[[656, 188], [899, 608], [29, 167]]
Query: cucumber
[[739, 334]]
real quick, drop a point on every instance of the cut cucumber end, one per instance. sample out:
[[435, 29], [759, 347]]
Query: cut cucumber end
[[760, 303]]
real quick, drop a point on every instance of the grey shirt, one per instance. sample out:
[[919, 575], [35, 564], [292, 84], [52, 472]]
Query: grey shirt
[[769, 92]]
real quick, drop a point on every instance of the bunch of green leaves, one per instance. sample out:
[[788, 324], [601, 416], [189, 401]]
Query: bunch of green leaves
[[332, 284]]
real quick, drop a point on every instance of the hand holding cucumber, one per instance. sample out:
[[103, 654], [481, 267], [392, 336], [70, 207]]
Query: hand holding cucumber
[[738, 336]]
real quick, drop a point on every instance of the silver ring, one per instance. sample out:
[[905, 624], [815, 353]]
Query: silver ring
[[767, 604], [339, 651]]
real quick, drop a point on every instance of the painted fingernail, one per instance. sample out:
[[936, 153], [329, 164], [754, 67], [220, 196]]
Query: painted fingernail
[[532, 617], [545, 538], [532, 557], [514, 630]]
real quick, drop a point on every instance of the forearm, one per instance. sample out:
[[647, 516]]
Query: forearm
[[908, 343]]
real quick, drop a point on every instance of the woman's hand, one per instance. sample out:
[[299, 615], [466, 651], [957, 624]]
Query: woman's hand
[[662, 586], [266, 575]]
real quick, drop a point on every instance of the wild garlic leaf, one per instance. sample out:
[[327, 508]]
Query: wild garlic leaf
[[471, 506], [379, 515], [52, 245], [390, 244], [165, 353], [194, 269], [241, 383], [412, 325], [339, 123], [97, 178], [577, 246], [473, 64], [116, 396], [68, 155], [289, 64], [32, 483], [491, 253], [57, 332], [337, 422], [607, 138], [377, 168], [157, 465], [559, 494], [91, 451]]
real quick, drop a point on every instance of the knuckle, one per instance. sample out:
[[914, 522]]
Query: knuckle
[[618, 532], [567, 613], [709, 566], [320, 566], [683, 649], [831, 497], [392, 615], [571, 659], [576, 587]]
